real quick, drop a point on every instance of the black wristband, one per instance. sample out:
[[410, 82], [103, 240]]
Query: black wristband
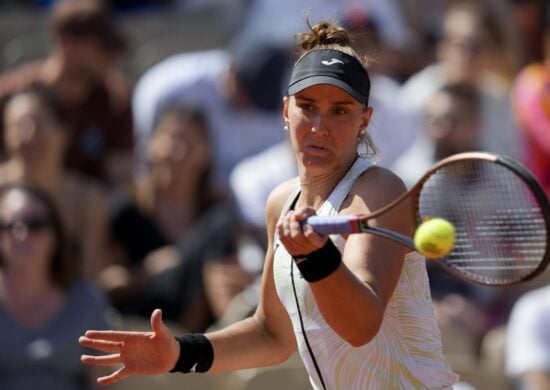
[[196, 353], [320, 263]]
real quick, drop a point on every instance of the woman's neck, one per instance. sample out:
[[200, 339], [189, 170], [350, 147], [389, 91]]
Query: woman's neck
[[30, 298], [316, 187], [45, 175], [25, 286]]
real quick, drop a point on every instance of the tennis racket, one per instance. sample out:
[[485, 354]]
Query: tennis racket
[[500, 214]]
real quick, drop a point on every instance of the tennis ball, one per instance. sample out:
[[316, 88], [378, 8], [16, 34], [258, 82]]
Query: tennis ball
[[435, 238]]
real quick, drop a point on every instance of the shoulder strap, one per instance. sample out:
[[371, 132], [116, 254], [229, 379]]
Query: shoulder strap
[[336, 198], [291, 201]]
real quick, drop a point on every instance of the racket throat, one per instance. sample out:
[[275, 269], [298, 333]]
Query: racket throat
[[390, 234]]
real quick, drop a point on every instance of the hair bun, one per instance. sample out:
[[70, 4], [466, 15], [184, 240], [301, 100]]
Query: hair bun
[[322, 34]]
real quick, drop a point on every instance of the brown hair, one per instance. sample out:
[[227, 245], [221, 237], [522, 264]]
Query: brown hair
[[327, 35], [87, 18], [467, 93], [46, 96], [207, 194], [63, 269]]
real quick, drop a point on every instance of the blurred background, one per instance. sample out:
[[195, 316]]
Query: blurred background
[[153, 129]]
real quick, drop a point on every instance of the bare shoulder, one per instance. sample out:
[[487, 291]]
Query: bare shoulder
[[277, 199], [383, 177], [377, 187]]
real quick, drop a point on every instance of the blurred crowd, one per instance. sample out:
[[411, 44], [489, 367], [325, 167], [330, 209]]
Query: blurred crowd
[[135, 161]]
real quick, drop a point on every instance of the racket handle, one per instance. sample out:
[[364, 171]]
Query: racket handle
[[349, 224], [337, 224]]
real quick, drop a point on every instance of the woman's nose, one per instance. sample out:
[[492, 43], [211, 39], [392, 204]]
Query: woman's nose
[[318, 125], [27, 129]]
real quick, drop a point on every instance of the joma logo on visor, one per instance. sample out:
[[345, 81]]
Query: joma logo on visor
[[332, 61]]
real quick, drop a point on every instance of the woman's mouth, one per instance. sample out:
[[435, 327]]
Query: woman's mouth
[[316, 149]]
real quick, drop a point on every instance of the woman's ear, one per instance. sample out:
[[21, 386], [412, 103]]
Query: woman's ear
[[367, 114], [285, 108]]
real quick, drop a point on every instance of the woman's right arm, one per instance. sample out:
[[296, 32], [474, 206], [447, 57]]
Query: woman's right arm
[[266, 338]]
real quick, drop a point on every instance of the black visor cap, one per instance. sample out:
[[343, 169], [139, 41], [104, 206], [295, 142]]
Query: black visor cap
[[332, 67]]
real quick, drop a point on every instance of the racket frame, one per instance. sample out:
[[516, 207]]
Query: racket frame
[[359, 223]]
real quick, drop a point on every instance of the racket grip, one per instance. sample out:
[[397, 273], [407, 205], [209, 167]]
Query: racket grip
[[337, 224]]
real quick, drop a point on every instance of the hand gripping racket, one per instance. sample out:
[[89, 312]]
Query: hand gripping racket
[[500, 214]]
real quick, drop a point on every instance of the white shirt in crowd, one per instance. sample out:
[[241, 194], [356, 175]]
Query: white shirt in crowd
[[499, 131], [197, 78], [528, 334], [267, 20]]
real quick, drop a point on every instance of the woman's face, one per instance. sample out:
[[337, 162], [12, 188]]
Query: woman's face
[[90, 60], [463, 48], [325, 122], [31, 130], [26, 234], [451, 124], [178, 149]]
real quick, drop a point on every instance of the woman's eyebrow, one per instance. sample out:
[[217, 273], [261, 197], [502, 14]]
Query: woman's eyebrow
[[338, 102]]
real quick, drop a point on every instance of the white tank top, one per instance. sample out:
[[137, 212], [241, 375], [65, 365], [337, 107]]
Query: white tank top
[[406, 353]]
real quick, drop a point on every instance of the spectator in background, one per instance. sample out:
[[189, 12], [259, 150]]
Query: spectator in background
[[452, 118], [528, 341], [178, 237], [239, 90], [531, 104], [396, 60], [44, 304], [253, 179], [471, 45], [452, 125], [36, 134], [267, 21], [388, 124], [529, 18], [81, 69]]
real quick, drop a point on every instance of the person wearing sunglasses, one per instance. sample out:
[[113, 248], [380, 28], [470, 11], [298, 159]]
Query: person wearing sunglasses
[[36, 135], [44, 304]]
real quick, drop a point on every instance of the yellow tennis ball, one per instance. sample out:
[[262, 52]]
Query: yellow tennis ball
[[435, 238]]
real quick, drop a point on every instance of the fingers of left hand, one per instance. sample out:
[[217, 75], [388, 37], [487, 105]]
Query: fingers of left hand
[[101, 345], [106, 360], [114, 377]]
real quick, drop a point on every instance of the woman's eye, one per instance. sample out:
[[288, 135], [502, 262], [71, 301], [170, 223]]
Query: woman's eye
[[306, 106], [340, 111]]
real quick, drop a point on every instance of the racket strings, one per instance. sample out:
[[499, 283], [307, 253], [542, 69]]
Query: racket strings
[[501, 234]]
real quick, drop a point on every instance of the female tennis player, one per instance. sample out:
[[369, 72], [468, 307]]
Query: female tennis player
[[358, 308]]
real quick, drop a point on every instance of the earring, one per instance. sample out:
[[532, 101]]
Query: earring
[[285, 126]]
